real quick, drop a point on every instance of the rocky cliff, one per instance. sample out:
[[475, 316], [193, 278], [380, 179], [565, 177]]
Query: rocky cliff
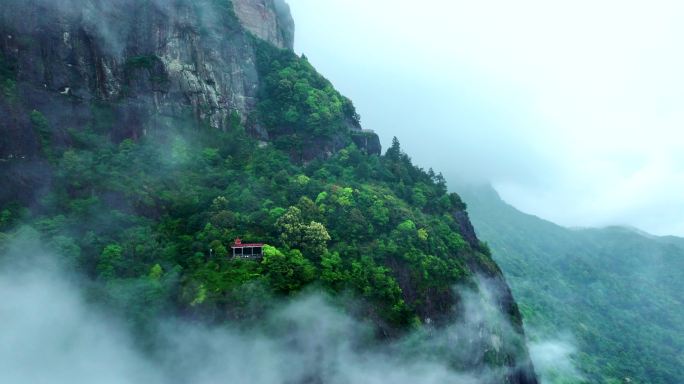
[[126, 67], [269, 20], [144, 61]]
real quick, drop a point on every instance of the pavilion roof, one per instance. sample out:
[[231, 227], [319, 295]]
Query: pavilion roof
[[247, 245]]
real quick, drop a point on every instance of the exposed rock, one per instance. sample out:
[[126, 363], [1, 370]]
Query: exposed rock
[[269, 20], [466, 228], [148, 61], [368, 141]]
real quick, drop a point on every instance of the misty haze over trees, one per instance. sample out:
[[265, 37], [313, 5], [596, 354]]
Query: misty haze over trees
[[572, 110], [145, 143], [144, 138], [614, 292], [580, 125]]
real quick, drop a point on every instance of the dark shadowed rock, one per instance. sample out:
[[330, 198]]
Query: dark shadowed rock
[[466, 228]]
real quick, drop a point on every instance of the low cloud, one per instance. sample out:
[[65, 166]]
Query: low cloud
[[553, 360], [109, 21], [581, 126], [52, 334]]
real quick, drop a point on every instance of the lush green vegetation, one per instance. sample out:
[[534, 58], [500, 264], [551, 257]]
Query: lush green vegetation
[[8, 84], [619, 292], [41, 126], [163, 212], [151, 64], [160, 214], [145, 62], [148, 213], [299, 106]]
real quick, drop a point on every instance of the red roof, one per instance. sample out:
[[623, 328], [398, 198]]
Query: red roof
[[247, 245], [238, 244]]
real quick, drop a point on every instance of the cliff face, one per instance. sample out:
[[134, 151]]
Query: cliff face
[[146, 61], [269, 20]]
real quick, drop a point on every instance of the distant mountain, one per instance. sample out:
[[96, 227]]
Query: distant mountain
[[616, 289]]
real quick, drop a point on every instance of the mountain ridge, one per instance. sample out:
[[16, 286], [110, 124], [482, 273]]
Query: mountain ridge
[[615, 289]]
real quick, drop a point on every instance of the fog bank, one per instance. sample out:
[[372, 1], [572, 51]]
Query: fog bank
[[51, 333], [572, 110]]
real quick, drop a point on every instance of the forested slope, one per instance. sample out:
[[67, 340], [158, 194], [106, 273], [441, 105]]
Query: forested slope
[[616, 290]]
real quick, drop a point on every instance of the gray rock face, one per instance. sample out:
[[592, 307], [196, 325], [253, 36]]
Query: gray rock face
[[367, 140], [269, 20], [148, 61], [466, 228]]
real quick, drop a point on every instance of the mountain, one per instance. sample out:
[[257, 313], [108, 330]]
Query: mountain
[[143, 138], [615, 289], [144, 65]]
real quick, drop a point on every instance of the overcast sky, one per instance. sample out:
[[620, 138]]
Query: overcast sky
[[574, 110]]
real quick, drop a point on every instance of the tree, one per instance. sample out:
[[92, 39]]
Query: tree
[[110, 261], [407, 226], [345, 197], [42, 127], [418, 196], [291, 227], [315, 239], [287, 272], [423, 234], [156, 272], [379, 212], [394, 151], [309, 210], [220, 203], [311, 238], [332, 272]]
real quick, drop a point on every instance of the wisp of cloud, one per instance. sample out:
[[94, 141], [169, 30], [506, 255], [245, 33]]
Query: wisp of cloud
[[52, 334]]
